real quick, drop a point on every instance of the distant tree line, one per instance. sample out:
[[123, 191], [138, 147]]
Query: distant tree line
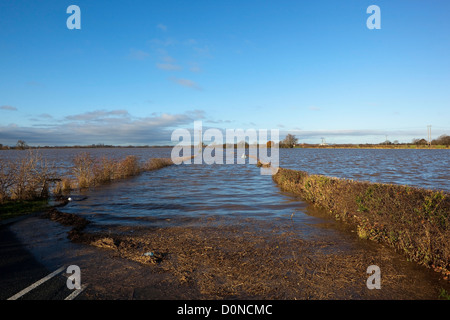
[[22, 145], [441, 140], [290, 141]]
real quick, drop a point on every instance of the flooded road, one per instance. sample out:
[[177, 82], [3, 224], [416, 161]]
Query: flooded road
[[189, 191], [229, 232], [238, 190], [417, 167]]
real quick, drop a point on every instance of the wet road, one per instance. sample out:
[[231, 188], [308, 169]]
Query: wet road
[[20, 270]]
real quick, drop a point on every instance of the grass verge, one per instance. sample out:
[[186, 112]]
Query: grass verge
[[415, 221], [12, 209]]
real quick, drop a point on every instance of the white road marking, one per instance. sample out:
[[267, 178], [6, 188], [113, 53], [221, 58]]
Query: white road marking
[[76, 292], [36, 284]]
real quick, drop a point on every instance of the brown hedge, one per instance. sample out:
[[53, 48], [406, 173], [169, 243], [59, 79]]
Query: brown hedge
[[413, 220]]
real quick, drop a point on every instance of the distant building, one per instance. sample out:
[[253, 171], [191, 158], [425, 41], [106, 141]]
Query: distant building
[[323, 143]]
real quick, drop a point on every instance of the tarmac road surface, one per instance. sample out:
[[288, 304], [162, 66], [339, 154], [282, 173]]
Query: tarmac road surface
[[19, 270]]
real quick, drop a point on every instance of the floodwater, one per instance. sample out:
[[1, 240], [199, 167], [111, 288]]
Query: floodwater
[[424, 168], [184, 193], [236, 190]]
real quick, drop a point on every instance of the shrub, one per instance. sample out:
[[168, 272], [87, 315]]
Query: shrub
[[90, 172], [29, 178], [128, 167], [83, 169], [157, 163], [413, 220], [26, 178]]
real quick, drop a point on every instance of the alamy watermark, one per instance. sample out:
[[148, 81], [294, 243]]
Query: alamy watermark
[[250, 144], [374, 280], [374, 21], [74, 20], [74, 280]]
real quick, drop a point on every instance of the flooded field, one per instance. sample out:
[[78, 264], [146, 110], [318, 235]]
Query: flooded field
[[417, 167], [237, 190], [421, 168]]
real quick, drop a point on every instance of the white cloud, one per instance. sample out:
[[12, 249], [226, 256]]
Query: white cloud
[[186, 83], [138, 54], [194, 67], [45, 116], [97, 115], [168, 66], [158, 43], [9, 108], [203, 51], [162, 27], [166, 57], [353, 133], [110, 127]]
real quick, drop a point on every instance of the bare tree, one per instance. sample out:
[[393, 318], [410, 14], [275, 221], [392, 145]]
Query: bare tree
[[22, 145], [289, 141]]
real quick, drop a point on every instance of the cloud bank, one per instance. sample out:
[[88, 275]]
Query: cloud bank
[[116, 127], [8, 108], [119, 127]]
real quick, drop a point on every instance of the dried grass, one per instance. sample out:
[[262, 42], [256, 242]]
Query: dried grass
[[415, 221], [251, 259], [32, 177], [157, 163], [89, 172], [25, 179]]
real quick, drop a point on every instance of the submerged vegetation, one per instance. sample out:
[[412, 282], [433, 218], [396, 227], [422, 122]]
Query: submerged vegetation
[[88, 171], [25, 179], [412, 220], [24, 185], [27, 183]]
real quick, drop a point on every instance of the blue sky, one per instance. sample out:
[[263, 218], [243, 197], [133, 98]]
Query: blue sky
[[136, 70]]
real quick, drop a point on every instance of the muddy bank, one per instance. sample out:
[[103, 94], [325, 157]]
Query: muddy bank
[[238, 258]]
